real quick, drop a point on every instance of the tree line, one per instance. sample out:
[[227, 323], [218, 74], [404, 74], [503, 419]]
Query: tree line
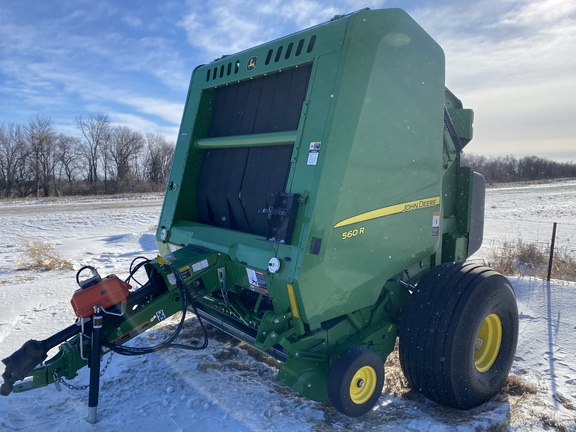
[[36, 160], [511, 169]]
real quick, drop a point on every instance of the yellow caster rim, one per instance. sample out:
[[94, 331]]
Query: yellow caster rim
[[363, 385]]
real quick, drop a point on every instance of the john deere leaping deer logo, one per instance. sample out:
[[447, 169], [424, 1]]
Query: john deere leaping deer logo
[[251, 64]]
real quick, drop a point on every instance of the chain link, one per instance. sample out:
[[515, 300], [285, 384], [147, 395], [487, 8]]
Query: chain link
[[60, 380]]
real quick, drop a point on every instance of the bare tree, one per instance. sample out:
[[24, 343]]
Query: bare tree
[[68, 157], [68, 162], [125, 145], [40, 137], [95, 135], [13, 155], [508, 168], [158, 158]]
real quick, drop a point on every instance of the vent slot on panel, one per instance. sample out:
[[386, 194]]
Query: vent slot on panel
[[277, 54], [232, 68], [226, 69]]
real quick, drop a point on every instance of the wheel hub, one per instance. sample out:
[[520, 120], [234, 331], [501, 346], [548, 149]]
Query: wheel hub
[[363, 385], [488, 343]]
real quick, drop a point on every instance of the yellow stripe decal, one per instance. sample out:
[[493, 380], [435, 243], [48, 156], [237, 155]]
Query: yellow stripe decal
[[390, 210], [292, 301]]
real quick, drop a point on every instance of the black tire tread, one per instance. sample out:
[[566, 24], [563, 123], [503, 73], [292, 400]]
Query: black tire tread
[[430, 324], [338, 385]]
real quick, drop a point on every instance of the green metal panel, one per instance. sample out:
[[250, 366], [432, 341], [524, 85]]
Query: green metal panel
[[381, 148], [264, 139], [463, 119]]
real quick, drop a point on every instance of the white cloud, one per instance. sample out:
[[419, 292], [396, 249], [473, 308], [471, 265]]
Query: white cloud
[[523, 115], [513, 61], [169, 111], [143, 125], [226, 27], [222, 28], [132, 121], [133, 21], [537, 13]]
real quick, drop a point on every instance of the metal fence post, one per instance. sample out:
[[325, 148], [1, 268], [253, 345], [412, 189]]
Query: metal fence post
[[551, 251]]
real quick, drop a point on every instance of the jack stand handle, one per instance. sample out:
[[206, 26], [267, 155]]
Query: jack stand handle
[[95, 350]]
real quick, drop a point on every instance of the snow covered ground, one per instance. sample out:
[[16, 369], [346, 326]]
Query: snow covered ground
[[231, 387]]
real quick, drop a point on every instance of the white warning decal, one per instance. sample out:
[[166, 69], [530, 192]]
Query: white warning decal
[[200, 265], [435, 224], [313, 152], [257, 280]]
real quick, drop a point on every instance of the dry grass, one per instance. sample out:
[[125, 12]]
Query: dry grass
[[43, 256], [551, 423], [514, 386], [565, 401], [395, 383], [529, 259], [564, 265]]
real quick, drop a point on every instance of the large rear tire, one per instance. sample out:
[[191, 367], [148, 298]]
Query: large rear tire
[[355, 382], [459, 334]]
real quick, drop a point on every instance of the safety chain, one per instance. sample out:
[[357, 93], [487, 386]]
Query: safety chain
[[59, 380]]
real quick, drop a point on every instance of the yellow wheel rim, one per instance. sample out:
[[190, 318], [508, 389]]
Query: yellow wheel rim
[[488, 343], [363, 385]]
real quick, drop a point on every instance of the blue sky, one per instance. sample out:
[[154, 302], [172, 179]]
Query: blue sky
[[512, 61]]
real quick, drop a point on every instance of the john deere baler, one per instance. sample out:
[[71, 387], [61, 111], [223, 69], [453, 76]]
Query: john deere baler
[[317, 210]]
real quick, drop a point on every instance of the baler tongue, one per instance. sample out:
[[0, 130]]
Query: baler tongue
[[20, 364]]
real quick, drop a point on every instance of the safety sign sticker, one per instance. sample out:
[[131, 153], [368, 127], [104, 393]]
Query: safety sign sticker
[[257, 280], [201, 265], [185, 272], [313, 152], [435, 224]]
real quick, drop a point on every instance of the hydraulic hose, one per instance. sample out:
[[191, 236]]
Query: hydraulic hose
[[168, 343]]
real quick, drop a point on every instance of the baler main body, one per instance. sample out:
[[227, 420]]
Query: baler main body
[[316, 178], [316, 210]]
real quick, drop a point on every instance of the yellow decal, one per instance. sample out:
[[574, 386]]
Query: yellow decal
[[292, 301], [391, 210], [352, 233], [185, 272], [161, 260], [251, 65]]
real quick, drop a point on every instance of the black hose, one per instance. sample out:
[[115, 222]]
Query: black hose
[[168, 343], [134, 269]]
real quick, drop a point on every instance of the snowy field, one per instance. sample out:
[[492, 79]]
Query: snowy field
[[230, 387]]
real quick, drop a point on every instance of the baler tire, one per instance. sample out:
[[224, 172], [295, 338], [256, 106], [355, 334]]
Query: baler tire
[[459, 334], [355, 381]]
